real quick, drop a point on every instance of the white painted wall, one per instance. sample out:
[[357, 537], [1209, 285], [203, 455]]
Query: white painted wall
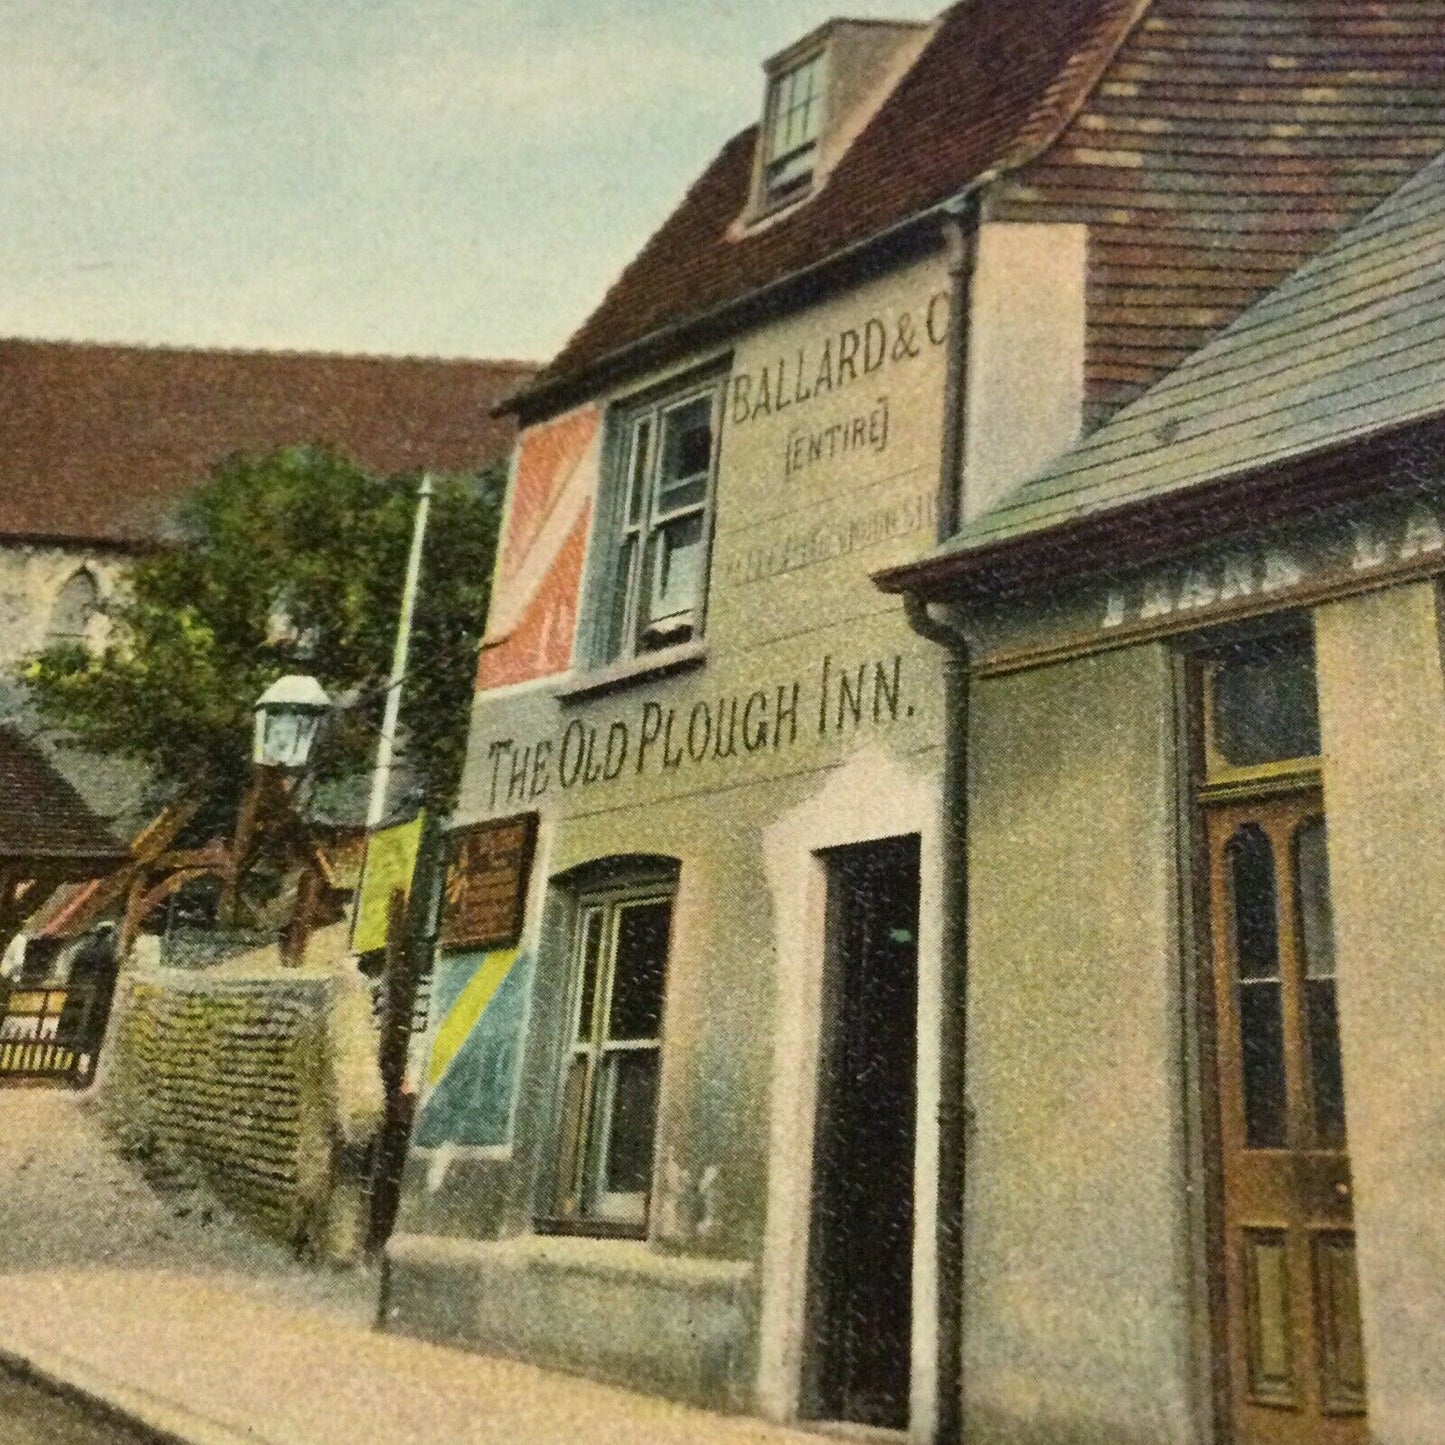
[[1026, 356], [1382, 716]]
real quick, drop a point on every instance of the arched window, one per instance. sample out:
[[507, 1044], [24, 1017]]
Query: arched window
[[78, 602]]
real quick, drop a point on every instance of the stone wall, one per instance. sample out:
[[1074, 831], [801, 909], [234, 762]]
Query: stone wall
[[225, 1078], [33, 578]]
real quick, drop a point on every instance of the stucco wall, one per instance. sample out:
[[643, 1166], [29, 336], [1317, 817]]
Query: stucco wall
[[811, 687], [1382, 713], [1076, 1309], [1026, 355]]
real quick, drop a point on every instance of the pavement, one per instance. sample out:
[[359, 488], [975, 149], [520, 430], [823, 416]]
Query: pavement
[[151, 1305]]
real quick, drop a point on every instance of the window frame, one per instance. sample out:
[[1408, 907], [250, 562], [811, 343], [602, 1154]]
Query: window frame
[[773, 195], [578, 1200], [630, 519], [1215, 777]]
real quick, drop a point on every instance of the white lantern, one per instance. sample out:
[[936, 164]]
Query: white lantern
[[288, 717]]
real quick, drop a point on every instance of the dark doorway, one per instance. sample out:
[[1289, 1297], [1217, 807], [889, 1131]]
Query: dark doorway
[[860, 1298]]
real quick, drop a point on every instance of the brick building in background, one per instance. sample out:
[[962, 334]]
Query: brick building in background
[[98, 443]]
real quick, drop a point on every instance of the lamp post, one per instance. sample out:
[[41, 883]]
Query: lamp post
[[288, 718]]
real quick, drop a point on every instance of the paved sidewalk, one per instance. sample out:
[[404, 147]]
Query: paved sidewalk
[[179, 1321]]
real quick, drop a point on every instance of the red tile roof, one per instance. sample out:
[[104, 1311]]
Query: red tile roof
[[1210, 146], [988, 90], [43, 817], [96, 442]]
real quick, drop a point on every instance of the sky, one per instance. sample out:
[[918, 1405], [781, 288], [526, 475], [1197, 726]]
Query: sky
[[432, 177]]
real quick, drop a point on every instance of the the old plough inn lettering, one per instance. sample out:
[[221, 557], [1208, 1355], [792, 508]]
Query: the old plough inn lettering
[[979, 552]]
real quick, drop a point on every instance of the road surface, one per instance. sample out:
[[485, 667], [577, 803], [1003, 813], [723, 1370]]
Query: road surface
[[31, 1415]]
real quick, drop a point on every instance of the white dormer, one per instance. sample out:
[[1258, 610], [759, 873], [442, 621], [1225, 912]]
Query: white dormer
[[820, 92]]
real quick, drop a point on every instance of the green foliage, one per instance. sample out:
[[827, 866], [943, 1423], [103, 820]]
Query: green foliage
[[287, 562]]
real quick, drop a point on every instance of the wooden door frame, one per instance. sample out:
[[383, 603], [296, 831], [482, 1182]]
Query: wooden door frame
[[1205, 1161]]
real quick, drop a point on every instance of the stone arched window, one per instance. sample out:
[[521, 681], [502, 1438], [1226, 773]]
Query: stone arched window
[[77, 602]]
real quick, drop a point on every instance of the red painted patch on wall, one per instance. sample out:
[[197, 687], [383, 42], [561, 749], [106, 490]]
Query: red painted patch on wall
[[541, 642]]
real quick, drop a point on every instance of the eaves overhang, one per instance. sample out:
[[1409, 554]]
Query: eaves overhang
[[908, 240], [1213, 510]]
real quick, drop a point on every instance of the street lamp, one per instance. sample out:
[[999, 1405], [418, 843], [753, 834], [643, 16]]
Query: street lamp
[[288, 717]]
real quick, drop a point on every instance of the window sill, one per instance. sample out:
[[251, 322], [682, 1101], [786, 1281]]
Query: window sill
[[574, 1255], [630, 670]]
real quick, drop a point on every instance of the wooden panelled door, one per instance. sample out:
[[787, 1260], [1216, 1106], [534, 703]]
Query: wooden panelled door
[[1296, 1361]]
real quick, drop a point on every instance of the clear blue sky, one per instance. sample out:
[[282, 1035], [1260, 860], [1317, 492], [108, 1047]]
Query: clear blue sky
[[447, 177]]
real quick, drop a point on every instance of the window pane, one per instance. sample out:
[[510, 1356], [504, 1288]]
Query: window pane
[[1265, 708], [591, 948], [687, 494], [676, 570], [621, 592], [569, 1139], [638, 972], [782, 106], [633, 1122], [1312, 898], [637, 472], [1326, 1070], [1261, 1029], [686, 442], [1251, 876], [791, 172]]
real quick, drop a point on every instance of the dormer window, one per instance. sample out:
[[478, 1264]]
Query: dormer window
[[794, 122], [819, 95]]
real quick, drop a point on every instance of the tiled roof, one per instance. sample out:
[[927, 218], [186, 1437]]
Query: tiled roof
[[1227, 142], [1351, 346], [1209, 145], [96, 442], [42, 816], [986, 91]]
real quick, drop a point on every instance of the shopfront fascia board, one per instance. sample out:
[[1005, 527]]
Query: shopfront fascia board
[[1360, 546]]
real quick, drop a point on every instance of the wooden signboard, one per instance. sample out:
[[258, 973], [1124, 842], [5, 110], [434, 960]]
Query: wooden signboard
[[486, 888]]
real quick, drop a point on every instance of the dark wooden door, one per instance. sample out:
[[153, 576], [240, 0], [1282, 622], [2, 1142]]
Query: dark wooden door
[[861, 1297], [1296, 1360]]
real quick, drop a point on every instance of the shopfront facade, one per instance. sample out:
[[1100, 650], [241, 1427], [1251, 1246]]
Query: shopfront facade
[[1205, 741]]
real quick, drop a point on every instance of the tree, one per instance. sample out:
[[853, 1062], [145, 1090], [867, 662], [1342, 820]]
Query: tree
[[285, 562]]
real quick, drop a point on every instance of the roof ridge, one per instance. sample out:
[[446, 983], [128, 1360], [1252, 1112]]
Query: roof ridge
[[307, 353]]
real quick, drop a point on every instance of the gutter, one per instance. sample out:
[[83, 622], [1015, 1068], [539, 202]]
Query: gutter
[[960, 219]]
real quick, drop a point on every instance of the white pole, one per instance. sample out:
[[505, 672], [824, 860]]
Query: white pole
[[381, 773]]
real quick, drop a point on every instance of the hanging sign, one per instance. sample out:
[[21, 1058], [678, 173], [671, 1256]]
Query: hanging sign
[[486, 887], [389, 865]]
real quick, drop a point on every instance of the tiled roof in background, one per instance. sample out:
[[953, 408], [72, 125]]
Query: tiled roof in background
[[996, 81], [1209, 145], [96, 442], [1227, 142], [42, 816]]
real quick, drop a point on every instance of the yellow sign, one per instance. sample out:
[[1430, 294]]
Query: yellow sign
[[390, 862]]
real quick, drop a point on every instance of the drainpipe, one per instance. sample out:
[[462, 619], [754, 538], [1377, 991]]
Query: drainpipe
[[960, 239], [960, 231]]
